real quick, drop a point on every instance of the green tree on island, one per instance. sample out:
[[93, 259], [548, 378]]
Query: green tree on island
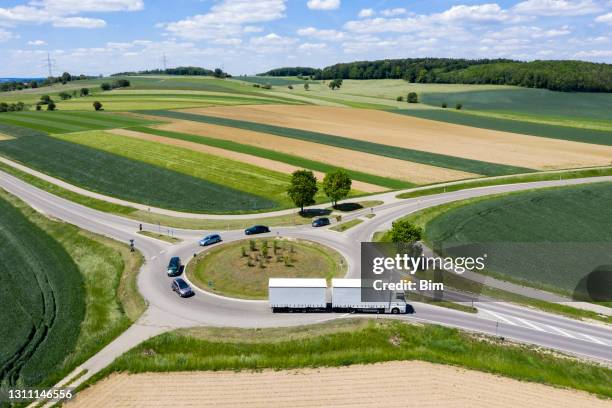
[[303, 188], [337, 185]]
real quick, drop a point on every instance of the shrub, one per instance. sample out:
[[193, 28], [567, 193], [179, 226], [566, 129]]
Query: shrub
[[105, 86], [38, 107], [256, 86], [413, 97], [444, 105], [84, 91], [252, 245], [97, 105], [306, 87], [266, 86], [51, 106], [243, 253], [290, 86], [458, 106], [400, 99]]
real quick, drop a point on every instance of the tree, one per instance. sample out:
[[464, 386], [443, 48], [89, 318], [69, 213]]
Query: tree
[[337, 185], [45, 99], [413, 97], [336, 83], [290, 86], [51, 106], [84, 91], [303, 188], [306, 86], [405, 231], [65, 77], [458, 106], [64, 96], [400, 99], [97, 105], [105, 86], [444, 105]]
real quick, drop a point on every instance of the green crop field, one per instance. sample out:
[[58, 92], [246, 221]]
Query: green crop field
[[550, 238], [593, 136], [64, 122], [450, 162], [42, 300], [65, 294], [277, 156], [121, 177], [528, 102], [242, 177], [274, 81]]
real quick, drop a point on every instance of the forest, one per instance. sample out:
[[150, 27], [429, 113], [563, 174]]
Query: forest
[[568, 76]]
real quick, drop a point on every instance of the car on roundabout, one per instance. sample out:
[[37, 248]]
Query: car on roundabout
[[210, 240], [182, 288], [256, 229], [174, 267], [321, 222]]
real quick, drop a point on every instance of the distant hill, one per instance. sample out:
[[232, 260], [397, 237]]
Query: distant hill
[[21, 79], [187, 71], [554, 75]]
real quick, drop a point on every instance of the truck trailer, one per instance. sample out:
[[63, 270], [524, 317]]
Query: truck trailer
[[346, 297], [289, 295], [310, 295]]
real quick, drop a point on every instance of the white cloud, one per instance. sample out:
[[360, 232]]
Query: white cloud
[[273, 39], [594, 54], [227, 18], [37, 43], [79, 22], [323, 4], [312, 46], [482, 12], [606, 18], [78, 6], [365, 13], [5, 35], [557, 7], [393, 12], [328, 35]]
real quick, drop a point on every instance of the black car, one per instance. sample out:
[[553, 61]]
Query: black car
[[174, 266], [321, 222], [182, 288], [256, 229]]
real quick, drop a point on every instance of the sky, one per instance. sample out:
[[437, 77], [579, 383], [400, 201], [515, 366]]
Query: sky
[[249, 36]]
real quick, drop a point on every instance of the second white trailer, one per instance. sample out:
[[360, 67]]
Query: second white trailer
[[286, 294], [346, 296]]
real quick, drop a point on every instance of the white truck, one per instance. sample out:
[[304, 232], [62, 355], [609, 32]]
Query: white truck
[[288, 295], [310, 295], [346, 297]]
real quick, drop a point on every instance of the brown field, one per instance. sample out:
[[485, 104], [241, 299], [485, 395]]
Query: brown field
[[349, 159], [246, 158], [426, 135], [388, 385]]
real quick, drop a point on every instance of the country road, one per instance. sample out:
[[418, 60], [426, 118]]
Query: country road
[[166, 311]]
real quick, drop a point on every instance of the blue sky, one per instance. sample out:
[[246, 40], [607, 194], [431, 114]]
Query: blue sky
[[249, 36]]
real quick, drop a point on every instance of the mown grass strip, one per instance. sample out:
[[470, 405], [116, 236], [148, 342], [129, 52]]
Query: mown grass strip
[[528, 178], [346, 225], [132, 180], [600, 137], [355, 341], [417, 156], [276, 156]]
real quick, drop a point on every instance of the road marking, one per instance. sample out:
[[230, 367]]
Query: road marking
[[153, 257], [499, 317], [562, 332], [163, 252], [593, 339], [528, 323]]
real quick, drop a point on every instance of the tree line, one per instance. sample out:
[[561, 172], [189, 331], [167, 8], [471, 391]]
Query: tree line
[[191, 71], [19, 85], [554, 75]]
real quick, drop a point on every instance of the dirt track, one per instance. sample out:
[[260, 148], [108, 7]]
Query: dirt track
[[426, 135], [349, 159], [242, 157], [388, 385]]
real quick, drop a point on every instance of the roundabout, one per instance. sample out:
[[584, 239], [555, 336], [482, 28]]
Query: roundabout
[[241, 269]]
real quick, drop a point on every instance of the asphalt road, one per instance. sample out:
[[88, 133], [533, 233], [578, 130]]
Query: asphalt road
[[167, 311]]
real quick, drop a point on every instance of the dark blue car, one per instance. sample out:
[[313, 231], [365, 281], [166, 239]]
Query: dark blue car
[[174, 266], [320, 222], [256, 229]]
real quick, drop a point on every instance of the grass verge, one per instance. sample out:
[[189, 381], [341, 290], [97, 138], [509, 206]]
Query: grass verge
[[346, 225], [356, 341], [494, 181], [241, 269], [161, 237]]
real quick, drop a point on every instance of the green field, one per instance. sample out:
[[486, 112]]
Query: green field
[[132, 180], [219, 171], [530, 103], [594, 136], [450, 162], [65, 122], [65, 294], [276, 156], [274, 81], [356, 341], [549, 238], [224, 270]]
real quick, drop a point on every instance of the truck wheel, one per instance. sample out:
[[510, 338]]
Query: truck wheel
[[395, 310]]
